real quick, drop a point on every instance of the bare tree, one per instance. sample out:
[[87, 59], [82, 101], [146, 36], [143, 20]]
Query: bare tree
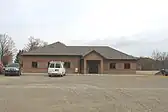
[[156, 55], [34, 43], [160, 57], [7, 46]]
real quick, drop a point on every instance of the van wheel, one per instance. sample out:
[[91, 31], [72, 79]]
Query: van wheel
[[65, 74]]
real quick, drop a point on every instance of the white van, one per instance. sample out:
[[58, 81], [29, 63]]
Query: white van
[[56, 68]]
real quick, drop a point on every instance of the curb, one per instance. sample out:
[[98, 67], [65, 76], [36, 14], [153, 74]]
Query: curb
[[45, 74]]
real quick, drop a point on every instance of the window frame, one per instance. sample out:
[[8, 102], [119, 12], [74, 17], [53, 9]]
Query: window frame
[[67, 64], [36, 64], [127, 66], [112, 65]]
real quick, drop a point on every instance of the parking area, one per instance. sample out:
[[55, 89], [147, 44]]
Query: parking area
[[84, 94]]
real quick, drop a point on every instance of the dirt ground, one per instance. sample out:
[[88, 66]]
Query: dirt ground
[[84, 94]]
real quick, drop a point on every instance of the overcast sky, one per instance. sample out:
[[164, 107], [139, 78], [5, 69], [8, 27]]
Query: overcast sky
[[133, 26]]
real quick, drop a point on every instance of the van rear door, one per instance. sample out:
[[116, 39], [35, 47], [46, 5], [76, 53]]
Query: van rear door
[[51, 68], [54, 68]]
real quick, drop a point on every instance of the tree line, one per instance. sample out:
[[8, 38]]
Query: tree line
[[158, 60], [8, 48]]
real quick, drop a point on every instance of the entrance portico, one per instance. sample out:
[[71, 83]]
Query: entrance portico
[[93, 63]]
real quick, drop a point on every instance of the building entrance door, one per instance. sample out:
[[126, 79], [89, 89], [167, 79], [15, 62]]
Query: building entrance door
[[93, 66]]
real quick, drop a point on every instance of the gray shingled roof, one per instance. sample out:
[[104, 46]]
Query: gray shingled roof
[[59, 48]]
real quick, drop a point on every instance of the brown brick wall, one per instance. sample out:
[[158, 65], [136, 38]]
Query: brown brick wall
[[75, 63], [43, 63], [119, 67]]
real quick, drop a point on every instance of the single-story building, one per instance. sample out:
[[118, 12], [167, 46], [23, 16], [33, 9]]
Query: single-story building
[[87, 59]]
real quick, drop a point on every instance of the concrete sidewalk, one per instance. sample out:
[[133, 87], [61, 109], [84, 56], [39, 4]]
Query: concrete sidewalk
[[146, 72]]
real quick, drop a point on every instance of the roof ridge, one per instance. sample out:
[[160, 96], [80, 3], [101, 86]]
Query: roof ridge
[[56, 43], [47, 46], [87, 46]]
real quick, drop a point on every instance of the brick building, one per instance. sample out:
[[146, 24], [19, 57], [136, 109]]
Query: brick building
[[88, 59]]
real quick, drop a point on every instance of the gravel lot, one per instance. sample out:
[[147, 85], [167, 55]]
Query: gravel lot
[[84, 94]]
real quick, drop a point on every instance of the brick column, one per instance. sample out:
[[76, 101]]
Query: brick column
[[85, 66], [102, 66]]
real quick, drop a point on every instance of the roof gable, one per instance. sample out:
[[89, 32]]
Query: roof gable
[[93, 51]]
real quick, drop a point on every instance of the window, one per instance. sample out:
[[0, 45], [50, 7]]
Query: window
[[112, 65], [67, 64], [51, 65], [57, 65], [127, 66], [34, 64]]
